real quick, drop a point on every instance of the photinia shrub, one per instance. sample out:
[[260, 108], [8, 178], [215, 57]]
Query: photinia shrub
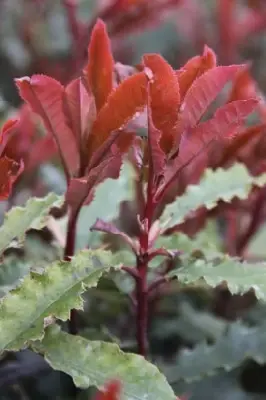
[[145, 152]]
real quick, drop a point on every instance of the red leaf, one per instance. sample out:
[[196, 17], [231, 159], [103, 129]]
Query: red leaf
[[243, 87], [80, 112], [157, 156], [10, 170], [7, 131], [101, 64], [45, 96], [127, 99], [194, 68], [202, 93], [112, 391], [241, 140], [165, 97], [108, 227], [81, 190], [225, 121], [195, 141]]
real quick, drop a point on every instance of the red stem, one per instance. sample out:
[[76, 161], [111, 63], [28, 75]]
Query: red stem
[[142, 267], [68, 253]]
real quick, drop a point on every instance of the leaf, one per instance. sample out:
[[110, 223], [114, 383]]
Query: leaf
[[164, 98], [53, 293], [79, 109], [241, 140], [207, 241], [238, 344], [222, 126], [202, 93], [224, 122], [7, 131], [100, 66], [107, 199], [94, 362], [123, 103], [243, 86], [232, 182], [194, 68], [10, 170], [33, 216], [239, 276], [157, 156], [12, 270], [45, 96], [226, 119]]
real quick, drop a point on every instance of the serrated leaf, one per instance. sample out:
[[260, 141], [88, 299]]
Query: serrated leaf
[[239, 276], [95, 362], [33, 216], [53, 293], [214, 186], [207, 240], [230, 350]]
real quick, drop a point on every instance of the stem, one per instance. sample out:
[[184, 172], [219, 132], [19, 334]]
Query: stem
[[142, 306], [68, 253], [142, 267]]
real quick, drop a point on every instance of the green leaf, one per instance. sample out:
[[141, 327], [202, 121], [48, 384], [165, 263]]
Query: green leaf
[[214, 186], [95, 362], [240, 343], [207, 241], [239, 276], [33, 216], [12, 269], [53, 293], [108, 196]]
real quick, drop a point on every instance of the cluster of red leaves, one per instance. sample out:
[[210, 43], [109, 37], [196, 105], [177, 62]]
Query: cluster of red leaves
[[88, 117], [90, 120]]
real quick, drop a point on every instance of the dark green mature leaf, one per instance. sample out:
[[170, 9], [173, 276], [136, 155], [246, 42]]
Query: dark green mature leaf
[[95, 362], [239, 276], [33, 216], [50, 294], [229, 351], [214, 186]]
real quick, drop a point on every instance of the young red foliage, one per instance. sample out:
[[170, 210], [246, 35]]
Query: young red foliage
[[165, 98], [100, 67], [123, 103], [45, 96], [86, 117], [194, 68]]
